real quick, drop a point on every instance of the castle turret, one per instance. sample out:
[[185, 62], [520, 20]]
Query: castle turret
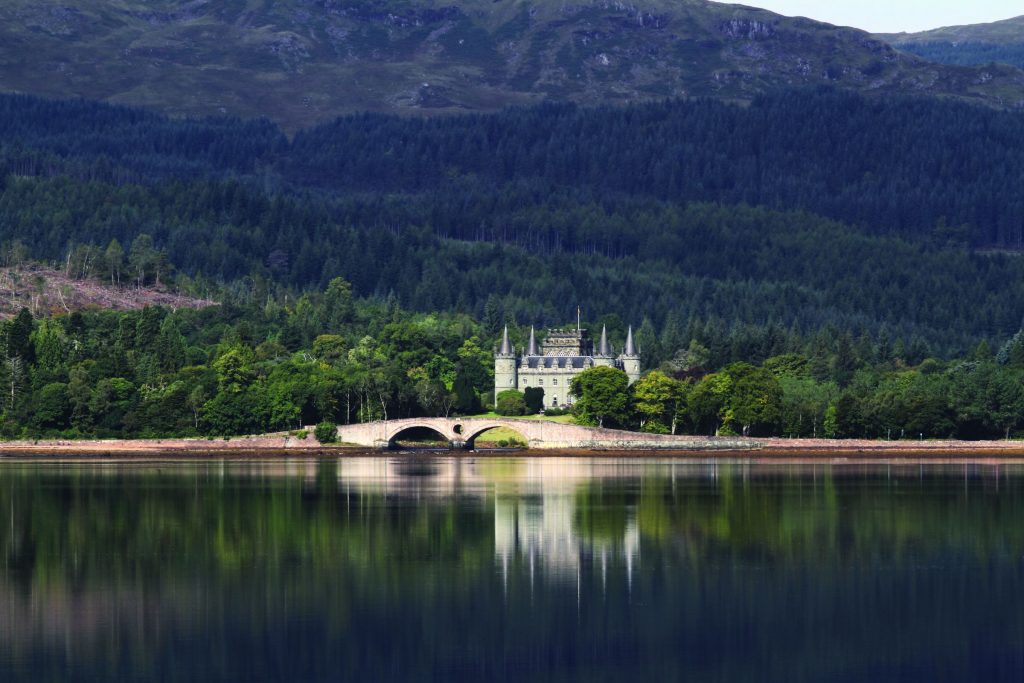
[[604, 350], [531, 350], [630, 358], [504, 366]]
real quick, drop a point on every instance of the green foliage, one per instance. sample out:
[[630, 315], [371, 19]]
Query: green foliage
[[19, 337], [510, 403], [805, 405], [51, 407], [330, 349], [534, 399], [234, 369], [50, 348], [169, 346], [659, 402], [708, 403], [338, 305], [602, 397], [467, 402], [755, 400], [326, 432]]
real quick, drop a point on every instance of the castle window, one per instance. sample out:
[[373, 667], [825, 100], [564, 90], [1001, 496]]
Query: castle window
[[554, 401], [540, 382], [555, 382]]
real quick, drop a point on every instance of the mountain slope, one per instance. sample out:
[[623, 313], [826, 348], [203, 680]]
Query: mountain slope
[[974, 44], [303, 61], [1006, 32]]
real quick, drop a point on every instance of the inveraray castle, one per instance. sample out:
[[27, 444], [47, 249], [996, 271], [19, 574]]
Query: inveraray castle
[[553, 363]]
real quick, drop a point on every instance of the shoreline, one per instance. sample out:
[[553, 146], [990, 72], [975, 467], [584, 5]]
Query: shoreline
[[285, 446]]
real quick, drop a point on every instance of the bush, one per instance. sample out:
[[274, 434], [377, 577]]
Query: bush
[[555, 412], [510, 403], [534, 397], [467, 402], [326, 432]]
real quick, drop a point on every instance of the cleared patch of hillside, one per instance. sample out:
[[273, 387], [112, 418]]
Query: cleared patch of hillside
[[48, 291]]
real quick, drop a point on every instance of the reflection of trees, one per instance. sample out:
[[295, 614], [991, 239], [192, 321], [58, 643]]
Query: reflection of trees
[[81, 528], [602, 513], [86, 529], [743, 575], [825, 516]]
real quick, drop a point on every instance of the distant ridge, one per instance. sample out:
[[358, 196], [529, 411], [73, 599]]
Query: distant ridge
[[300, 62], [970, 45], [1005, 32]]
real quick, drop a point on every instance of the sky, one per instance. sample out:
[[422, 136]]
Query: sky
[[893, 16]]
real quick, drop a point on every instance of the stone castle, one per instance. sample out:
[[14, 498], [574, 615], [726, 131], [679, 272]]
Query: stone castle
[[552, 364]]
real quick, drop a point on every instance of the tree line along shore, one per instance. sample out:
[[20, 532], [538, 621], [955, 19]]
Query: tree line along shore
[[329, 357]]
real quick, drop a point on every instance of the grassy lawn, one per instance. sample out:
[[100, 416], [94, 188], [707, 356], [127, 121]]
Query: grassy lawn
[[498, 434]]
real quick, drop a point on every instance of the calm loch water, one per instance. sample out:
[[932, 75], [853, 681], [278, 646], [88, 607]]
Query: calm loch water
[[422, 568]]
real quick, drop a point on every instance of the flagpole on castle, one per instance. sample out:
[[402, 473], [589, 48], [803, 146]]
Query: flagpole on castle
[[577, 318]]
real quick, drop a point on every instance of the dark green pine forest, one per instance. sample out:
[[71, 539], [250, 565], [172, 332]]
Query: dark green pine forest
[[967, 52], [365, 266]]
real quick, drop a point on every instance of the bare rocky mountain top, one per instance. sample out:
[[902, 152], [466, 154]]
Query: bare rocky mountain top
[[300, 62], [44, 290]]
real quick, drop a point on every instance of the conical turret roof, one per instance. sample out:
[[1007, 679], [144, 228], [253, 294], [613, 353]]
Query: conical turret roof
[[531, 350], [630, 346], [506, 345], [604, 349]]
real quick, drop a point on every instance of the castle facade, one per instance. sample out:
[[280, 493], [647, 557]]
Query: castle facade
[[552, 364]]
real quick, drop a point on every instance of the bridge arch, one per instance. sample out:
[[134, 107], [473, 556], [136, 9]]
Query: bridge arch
[[414, 429], [477, 430]]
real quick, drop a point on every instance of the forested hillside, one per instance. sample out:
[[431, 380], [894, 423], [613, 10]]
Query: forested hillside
[[815, 263], [801, 211], [912, 167]]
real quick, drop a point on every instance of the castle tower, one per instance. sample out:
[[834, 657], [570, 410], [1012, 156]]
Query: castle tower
[[630, 358], [505, 367], [604, 351]]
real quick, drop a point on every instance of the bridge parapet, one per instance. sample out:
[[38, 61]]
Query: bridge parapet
[[540, 434]]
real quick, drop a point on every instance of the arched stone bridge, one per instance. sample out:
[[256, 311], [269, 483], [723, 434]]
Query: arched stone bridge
[[462, 432]]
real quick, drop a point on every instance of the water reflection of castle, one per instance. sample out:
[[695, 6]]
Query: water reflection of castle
[[541, 530], [535, 505]]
